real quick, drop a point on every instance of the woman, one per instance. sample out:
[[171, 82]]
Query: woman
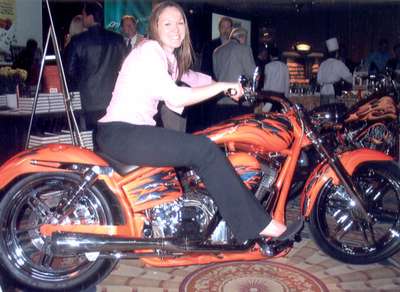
[[127, 132]]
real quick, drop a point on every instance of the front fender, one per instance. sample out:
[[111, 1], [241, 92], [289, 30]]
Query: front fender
[[47, 158], [323, 173]]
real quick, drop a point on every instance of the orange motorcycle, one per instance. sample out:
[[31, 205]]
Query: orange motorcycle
[[67, 214], [373, 122]]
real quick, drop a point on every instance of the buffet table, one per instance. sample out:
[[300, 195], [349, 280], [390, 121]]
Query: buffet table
[[308, 101]]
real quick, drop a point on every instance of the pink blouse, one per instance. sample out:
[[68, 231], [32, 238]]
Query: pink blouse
[[144, 80]]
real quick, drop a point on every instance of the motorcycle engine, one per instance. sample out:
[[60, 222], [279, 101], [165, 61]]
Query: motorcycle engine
[[187, 217], [191, 216]]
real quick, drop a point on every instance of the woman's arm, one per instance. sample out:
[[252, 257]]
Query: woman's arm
[[165, 87], [203, 93]]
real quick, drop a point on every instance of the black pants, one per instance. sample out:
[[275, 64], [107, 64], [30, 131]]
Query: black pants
[[154, 146]]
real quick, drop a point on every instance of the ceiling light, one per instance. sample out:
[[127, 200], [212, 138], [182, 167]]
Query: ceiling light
[[302, 47]]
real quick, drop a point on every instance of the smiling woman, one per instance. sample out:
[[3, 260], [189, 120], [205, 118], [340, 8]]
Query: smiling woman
[[127, 131], [171, 29]]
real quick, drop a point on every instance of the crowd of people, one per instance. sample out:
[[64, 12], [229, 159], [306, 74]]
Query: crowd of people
[[93, 59]]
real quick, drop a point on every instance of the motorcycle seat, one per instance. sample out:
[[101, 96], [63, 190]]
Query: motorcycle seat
[[118, 166]]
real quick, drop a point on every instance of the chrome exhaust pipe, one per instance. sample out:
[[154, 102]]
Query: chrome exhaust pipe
[[67, 243], [70, 243]]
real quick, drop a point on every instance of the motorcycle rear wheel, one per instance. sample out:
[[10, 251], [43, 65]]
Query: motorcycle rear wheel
[[25, 253], [348, 239]]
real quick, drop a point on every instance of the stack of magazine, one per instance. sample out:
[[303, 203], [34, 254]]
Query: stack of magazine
[[63, 137], [3, 100], [49, 102]]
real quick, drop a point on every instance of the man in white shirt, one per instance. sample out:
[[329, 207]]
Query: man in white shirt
[[276, 77], [332, 71], [129, 30]]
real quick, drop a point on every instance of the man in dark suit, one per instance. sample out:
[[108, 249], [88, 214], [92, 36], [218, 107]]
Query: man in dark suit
[[205, 109], [92, 61], [129, 30]]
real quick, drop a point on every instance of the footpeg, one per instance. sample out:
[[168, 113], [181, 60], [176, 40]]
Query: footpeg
[[273, 246]]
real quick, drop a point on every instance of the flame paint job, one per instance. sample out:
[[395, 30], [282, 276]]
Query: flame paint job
[[50, 156], [382, 108], [269, 133]]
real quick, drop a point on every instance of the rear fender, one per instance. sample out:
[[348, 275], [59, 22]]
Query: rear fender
[[48, 158], [323, 173]]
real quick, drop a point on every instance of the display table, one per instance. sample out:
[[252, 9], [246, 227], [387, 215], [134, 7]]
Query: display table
[[14, 129], [50, 116]]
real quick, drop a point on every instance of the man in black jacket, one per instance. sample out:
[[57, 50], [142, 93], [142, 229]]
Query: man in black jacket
[[92, 61]]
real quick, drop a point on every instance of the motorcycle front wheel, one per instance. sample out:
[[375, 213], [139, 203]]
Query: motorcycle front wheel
[[343, 236], [26, 254]]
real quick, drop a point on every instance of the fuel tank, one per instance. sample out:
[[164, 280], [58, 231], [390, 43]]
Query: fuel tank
[[374, 108], [271, 132]]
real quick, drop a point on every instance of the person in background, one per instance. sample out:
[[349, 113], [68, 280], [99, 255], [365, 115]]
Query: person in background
[[225, 26], [394, 63], [29, 59], [231, 60], [331, 72], [92, 61], [75, 27], [127, 132], [376, 61], [129, 31], [276, 77]]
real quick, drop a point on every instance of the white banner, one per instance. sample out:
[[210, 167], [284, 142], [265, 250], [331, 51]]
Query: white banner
[[7, 25]]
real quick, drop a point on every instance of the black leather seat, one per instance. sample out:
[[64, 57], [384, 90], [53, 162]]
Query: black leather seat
[[118, 166]]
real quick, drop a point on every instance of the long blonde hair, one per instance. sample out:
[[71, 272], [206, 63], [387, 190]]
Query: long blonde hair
[[184, 53]]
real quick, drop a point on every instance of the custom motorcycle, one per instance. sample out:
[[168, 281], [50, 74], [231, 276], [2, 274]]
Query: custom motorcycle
[[67, 214], [372, 122]]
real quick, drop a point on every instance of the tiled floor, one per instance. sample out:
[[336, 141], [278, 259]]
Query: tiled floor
[[305, 264], [305, 257]]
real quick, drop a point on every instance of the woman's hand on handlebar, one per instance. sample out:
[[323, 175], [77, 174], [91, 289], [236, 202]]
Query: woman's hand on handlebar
[[233, 90]]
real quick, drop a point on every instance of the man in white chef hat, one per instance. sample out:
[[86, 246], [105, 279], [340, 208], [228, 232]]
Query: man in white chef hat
[[331, 72]]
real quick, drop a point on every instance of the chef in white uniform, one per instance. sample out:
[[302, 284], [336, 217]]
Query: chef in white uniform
[[332, 71]]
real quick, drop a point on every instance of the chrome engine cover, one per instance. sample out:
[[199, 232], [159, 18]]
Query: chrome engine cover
[[186, 217]]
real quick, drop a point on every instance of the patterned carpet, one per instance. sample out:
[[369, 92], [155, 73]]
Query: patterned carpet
[[305, 268]]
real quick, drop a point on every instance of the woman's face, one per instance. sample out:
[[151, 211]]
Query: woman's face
[[171, 28]]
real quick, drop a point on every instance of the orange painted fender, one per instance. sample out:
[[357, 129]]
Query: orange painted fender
[[47, 158], [323, 173]]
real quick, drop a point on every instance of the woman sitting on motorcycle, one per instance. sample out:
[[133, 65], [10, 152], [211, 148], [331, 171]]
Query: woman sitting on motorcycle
[[127, 132]]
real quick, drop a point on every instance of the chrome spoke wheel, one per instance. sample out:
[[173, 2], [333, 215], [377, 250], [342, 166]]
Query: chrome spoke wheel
[[347, 237], [29, 205]]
